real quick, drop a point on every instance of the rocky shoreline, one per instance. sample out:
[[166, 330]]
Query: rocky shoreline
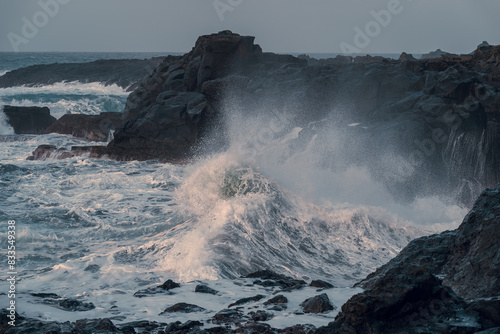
[[443, 283]]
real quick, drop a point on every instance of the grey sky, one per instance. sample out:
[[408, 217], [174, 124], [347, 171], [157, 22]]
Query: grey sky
[[279, 25]]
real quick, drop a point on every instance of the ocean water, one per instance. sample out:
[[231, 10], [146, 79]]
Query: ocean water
[[224, 215]]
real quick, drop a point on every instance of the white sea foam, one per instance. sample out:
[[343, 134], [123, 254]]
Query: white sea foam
[[66, 88], [5, 128], [67, 97]]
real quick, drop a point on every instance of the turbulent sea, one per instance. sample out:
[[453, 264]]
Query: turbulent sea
[[99, 230]]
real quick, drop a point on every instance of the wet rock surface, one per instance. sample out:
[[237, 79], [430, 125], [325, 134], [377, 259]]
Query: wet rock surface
[[317, 304], [28, 120], [406, 295], [90, 127]]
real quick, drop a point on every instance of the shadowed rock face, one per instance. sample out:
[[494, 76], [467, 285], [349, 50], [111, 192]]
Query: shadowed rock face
[[28, 120], [405, 295], [468, 258], [168, 110]]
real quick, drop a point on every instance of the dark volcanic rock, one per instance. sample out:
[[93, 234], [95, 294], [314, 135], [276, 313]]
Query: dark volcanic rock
[[169, 285], [183, 308], [123, 72], [167, 111], [261, 315], [29, 120], [51, 152], [404, 296], [205, 289], [162, 289], [96, 326], [91, 127], [247, 300], [321, 284], [410, 302], [45, 295], [425, 122], [273, 279], [279, 299], [74, 305], [187, 327], [228, 316], [317, 304], [467, 258]]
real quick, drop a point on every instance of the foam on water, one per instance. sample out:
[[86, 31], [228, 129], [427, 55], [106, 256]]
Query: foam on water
[[5, 128], [280, 197], [67, 97]]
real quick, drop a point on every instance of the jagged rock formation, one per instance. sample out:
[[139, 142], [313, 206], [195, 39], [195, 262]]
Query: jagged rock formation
[[433, 121], [424, 122], [444, 283], [28, 120]]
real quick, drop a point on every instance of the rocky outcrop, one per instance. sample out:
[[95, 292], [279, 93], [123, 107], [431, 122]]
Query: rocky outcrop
[[168, 112], [29, 120], [423, 122], [467, 259], [122, 72], [90, 127], [445, 283]]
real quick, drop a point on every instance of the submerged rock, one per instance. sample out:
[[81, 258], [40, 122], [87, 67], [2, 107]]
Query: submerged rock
[[205, 289], [160, 289], [247, 300], [183, 308]]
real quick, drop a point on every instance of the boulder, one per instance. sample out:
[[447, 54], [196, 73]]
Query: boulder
[[321, 284], [205, 289], [28, 120], [183, 308], [317, 304]]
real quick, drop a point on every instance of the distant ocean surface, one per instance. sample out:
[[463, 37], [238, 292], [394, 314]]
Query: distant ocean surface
[[100, 230]]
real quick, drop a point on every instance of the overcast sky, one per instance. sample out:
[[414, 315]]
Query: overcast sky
[[279, 25]]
